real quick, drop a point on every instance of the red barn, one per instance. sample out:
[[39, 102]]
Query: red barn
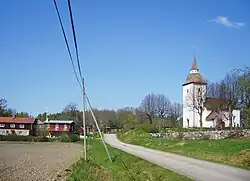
[[59, 126], [18, 126]]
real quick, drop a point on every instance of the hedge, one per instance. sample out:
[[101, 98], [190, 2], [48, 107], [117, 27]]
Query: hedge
[[23, 138]]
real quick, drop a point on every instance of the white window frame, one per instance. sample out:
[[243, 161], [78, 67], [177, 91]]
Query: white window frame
[[21, 125], [2, 125], [12, 125]]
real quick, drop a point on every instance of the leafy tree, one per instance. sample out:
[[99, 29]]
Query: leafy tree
[[22, 115], [244, 79]]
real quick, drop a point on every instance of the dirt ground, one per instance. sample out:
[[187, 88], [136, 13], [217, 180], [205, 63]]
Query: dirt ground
[[37, 161]]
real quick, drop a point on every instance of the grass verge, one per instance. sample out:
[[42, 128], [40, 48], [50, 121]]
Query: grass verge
[[125, 167], [235, 152]]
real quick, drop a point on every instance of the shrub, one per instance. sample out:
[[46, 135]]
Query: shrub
[[128, 127], [40, 139], [22, 138], [96, 135], [74, 137], [149, 128], [64, 138]]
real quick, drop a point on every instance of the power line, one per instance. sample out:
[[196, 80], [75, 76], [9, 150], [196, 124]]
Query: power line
[[75, 41], [81, 85], [67, 44]]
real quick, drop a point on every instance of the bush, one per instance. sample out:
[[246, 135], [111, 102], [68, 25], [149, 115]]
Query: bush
[[74, 137], [96, 135], [149, 128], [128, 127], [40, 139], [64, 138], [23, 138]]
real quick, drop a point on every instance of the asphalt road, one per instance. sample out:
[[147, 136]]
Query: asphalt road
[[196, 169]]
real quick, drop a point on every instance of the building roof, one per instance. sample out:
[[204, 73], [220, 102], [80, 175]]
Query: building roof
[[194, 65], [16, 120], [219, 104], [194, 76], [216, 115], [216, 103], [59, 121]]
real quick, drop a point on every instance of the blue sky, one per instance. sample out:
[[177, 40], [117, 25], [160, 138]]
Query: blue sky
[[128, 48]]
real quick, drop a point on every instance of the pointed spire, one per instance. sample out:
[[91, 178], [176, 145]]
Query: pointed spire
[[194, 65]]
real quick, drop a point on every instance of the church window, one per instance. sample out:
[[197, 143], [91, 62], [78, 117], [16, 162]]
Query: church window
[[187, 90], [188, 122], [199, 89]]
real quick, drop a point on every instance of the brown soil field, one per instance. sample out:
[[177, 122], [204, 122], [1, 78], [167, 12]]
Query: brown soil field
[[37, 161]]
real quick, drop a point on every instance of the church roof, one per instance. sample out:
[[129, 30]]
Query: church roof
[[194, 76], [194, 65], [218, 103], [215, 115]]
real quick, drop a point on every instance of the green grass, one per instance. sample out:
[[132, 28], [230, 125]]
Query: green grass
[[125, 167], [235, 152]]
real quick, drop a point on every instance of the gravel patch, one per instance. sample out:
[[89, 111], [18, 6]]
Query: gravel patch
[[37, 161]]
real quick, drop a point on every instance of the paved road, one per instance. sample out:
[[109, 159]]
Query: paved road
[[196, 169]]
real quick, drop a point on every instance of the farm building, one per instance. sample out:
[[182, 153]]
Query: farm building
[[57, 127], [18, 126]]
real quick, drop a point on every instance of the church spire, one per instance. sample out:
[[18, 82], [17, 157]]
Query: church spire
[[194, 65]]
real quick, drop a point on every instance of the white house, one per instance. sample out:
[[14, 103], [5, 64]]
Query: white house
[[215, 112]]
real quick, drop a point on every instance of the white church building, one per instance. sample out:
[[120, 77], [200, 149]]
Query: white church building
[[214, 110]]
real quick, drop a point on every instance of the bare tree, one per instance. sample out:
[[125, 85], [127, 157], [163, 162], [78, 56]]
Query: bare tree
[[195, 101], [3, 103], [231, 83], [139, 116], [176, 110], [4, 111], [215, 90], [71, 110], [149, 107], [163, 107]]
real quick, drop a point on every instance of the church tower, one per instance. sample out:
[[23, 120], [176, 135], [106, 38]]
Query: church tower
[[194, 87]]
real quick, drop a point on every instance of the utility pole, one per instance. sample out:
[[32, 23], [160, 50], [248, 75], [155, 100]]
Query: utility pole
[[83, 120], [100, 133]]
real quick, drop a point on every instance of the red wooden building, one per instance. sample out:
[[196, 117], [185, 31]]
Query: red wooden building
[[59, 126], [18, 126]]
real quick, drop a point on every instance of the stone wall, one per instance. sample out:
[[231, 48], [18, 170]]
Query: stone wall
[[203, 135]]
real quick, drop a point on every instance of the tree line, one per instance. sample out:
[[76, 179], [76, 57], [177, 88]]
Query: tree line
[[154, 109]]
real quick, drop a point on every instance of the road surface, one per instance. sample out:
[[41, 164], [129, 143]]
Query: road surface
[[196, 169]]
